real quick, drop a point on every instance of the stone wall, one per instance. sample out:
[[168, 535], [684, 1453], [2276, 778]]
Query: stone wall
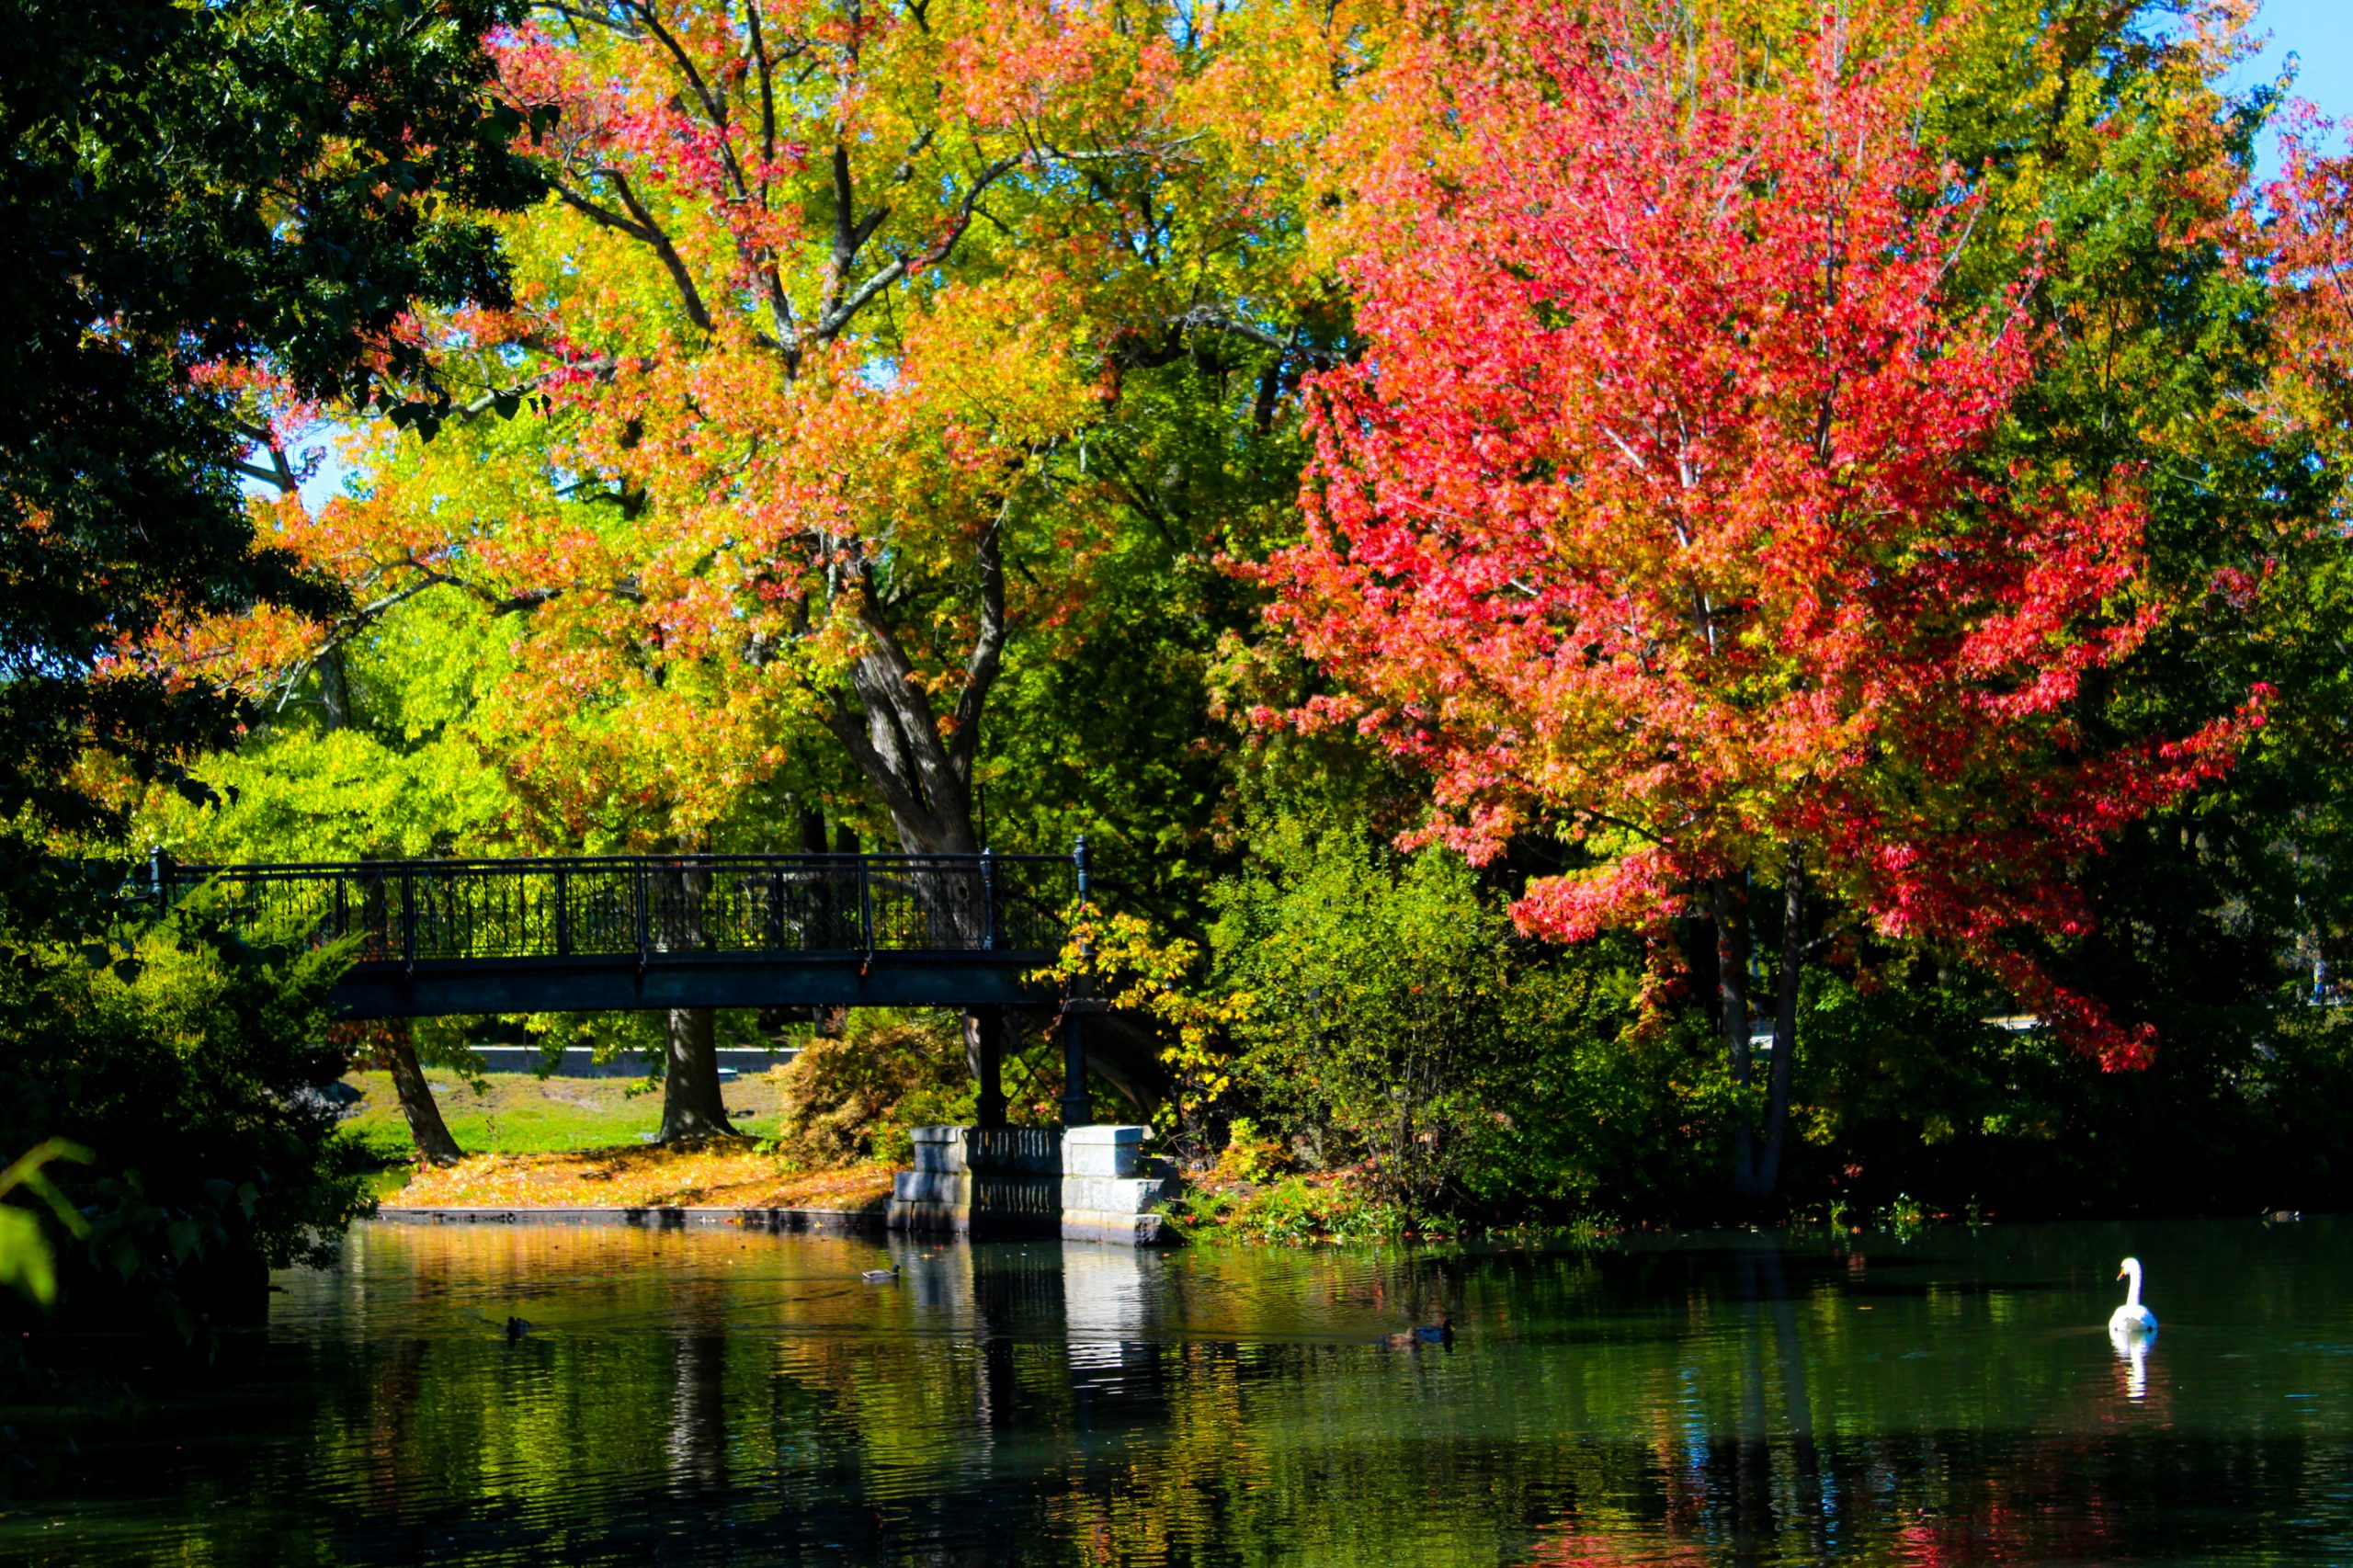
[[973, 1181], [1081, 1183]]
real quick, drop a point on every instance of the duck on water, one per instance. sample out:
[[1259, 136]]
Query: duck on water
[[1438, 1332]]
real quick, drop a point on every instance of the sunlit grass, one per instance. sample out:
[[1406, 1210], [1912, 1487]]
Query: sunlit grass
[[517, 1113]]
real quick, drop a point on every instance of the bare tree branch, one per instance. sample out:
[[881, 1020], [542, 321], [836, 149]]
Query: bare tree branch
[[981, 665], [1213, 318], [640, 227], [275, 478], [845, 309], [765, 68]]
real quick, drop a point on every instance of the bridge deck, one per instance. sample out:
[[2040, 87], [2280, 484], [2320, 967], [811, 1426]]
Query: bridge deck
[[625, 933]]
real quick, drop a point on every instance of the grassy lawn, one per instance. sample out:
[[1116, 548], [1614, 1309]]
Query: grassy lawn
[[521, 1114], [531, 1141]]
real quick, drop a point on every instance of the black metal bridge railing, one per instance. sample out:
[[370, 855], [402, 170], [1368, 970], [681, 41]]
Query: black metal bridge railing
[[480, 935]]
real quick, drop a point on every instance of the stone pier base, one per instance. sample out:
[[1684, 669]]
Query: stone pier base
[[973, 1181], [1108, 1192], [1081, 1183]]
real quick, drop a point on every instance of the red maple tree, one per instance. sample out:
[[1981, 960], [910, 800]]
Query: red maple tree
[[1658, 512]]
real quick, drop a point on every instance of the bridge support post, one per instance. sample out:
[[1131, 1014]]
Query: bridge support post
[[1076, 1109], [1090, 1184], [984, 1028]]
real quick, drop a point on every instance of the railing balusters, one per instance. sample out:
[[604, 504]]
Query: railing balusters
[[644, 917], [748, 906], [865, 905], [408, 923]]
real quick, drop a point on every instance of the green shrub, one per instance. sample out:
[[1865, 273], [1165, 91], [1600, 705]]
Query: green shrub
[[1294, 1212], [851, 1099], [1398, 1026], [194, 1074]]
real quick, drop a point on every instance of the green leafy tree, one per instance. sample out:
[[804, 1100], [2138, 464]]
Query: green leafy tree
[[2118, 159], [194, 196], [215, 214], [1395, 1021]]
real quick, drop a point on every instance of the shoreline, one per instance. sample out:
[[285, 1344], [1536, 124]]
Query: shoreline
[[773, 1220]]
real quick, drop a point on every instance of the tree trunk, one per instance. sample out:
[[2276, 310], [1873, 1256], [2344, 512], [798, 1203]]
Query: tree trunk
[[917, 760], [335, 689], [430, 1133], [1729, 905], [692, 1108], [832, 1019], [1785, 1027]]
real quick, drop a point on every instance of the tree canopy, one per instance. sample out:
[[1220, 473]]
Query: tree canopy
[[213, 211], [1850, 497], [198, 197]]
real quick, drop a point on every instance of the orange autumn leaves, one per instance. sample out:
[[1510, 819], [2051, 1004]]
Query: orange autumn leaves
[[1659, 509], [810, 341], [719, 1174]]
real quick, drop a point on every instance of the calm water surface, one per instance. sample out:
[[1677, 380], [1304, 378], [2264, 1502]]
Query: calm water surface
[[715, 1398]]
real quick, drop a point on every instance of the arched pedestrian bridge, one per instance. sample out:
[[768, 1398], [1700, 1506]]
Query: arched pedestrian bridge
[[636, 933], [633, 933]]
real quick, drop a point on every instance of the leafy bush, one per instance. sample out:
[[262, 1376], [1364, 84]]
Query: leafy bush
[[191, 1069], [1296, 1211], [1396, 1023], [851, 1099], [1249, 1154]]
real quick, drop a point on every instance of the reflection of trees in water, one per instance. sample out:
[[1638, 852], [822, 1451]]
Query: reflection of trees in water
[[1000, 1400], [697, 1436], [1739, 1465], [1050, 1420]]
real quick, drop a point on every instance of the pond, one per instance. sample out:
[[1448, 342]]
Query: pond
[[1729, 1397]]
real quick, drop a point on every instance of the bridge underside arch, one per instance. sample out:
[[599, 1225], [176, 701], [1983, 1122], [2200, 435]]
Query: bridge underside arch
[[685, 980]]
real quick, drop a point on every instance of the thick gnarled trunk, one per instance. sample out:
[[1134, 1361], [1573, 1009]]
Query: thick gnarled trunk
[[692, 1108], [922, 767], [918, 760]]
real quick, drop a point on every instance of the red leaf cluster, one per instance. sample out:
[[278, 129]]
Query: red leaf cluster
[[1660, 508]]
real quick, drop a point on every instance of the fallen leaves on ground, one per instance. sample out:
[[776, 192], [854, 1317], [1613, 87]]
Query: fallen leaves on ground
[[724, 1173]]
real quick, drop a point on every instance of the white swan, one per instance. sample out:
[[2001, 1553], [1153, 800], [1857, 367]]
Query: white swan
[[2132, 1317]]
